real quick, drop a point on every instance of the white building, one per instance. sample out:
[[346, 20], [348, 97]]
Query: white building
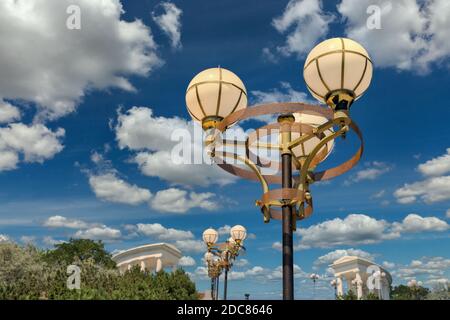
[[362, 277], [150, 257]]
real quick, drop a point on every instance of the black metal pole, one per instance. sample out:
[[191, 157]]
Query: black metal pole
[[287, 219], [212, 288], [217, 288], [225, 284], [288, 258]]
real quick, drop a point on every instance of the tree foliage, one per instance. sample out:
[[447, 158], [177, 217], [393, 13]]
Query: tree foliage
[[81, 250], [372, 296], [350, 295], [28, 273], [403, 292]]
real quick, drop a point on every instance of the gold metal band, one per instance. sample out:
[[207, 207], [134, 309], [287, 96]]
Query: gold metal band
[[299, 197]]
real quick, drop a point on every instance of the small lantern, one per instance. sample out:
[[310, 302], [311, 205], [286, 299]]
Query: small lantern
[[210, 236], [238, 233]]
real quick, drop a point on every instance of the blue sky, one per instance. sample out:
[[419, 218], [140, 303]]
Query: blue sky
[[85, 117]]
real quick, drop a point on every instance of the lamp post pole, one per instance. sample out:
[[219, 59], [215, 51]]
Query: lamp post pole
[[225, 284], [287, 218], [212, 288], [217, 287]]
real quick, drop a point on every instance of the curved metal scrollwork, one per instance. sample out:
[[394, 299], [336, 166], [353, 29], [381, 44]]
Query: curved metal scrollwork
[[299, 197]]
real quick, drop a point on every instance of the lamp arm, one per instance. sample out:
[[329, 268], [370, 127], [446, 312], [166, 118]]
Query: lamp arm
[[251, 165], [304, 169], [319, 131]]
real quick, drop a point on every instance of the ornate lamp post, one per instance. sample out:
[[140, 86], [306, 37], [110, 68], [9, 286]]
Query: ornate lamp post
[[220, 256], [314, 277], [212, 272], [337, 72], [334, 284]]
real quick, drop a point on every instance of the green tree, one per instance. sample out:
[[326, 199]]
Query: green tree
[[403, 292], [28, 273], [439, 292], [80, 250], [372, 296], [350, 295]]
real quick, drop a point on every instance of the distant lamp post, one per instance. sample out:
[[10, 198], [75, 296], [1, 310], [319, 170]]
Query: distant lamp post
[[415, 285], [333, 283], [314, 277], [209, 259], [337, 73], [220, 256]]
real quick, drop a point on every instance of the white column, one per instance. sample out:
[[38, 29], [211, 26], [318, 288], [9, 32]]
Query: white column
[[129, 266], [359, 286], [339, 287], [143, 265], [158, 264]]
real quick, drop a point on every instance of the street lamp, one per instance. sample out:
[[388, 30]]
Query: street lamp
[[334, 285], [238, 234], [220, 256], [337, 72], [314, 277], [210, 237], [209, 259]]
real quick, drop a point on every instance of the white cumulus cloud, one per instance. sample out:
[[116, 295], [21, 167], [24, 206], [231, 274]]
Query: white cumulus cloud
[[43, 62], [169, 22], [305, 22], [332, 256], [372, 171], [190, 245], [99, 233], [437, 166], [111, 188], [63, 222], [432, 190], [34, 143], [360, 229], [414, 223], [355, 229], [151, 137], [186, 261], [435, 187], [180, 201], [402, 27], [159, 232], [8, 112], [413, 33]]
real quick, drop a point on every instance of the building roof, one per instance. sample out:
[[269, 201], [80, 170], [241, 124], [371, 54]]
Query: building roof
[[148, 248], [354, 259]]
